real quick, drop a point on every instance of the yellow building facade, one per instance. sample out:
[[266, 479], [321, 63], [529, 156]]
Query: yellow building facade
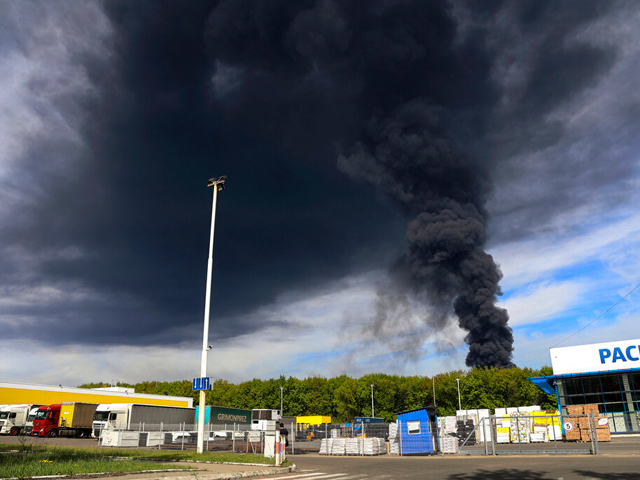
[[16, 393]]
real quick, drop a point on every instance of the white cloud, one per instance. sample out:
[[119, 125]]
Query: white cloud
[[322, 334], [543, 301]]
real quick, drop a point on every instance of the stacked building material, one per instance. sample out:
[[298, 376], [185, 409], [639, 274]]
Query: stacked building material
[[539, 434], [575, 409], [465, 431], [373, 446], [325, 446], [502, 435], [394, 444], [450, 425], [338, 446], [571, 429], [353, 446], [603, 434], [394, 448], [579, 428], [520, 428], [554, 432], [572, 425], [591, 408], [449, 444]]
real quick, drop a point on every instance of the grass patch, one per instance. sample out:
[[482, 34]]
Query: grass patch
[[62, 461], [36, 460]]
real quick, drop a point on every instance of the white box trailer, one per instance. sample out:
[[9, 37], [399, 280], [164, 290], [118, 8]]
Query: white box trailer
[[134, 416], [17, 419]]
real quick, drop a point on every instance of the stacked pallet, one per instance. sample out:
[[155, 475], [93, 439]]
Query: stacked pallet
[[502, 434], [465, 431], [373, 446], [579, 428], [353, 446], [394, 448], [449, 444], [520, 428], [571, 429], [394, 444], [325, 446], [338, 446]]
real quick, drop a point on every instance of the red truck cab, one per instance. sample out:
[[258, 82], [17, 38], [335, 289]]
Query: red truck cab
[[46, 422]]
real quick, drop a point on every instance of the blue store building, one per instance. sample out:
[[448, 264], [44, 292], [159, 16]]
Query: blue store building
[[606, 374]]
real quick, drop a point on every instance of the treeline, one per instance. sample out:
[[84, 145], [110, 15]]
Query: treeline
[[344, 398]]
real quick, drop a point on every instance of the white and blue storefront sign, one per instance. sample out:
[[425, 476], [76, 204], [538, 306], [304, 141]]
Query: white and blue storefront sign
[[597, 357]]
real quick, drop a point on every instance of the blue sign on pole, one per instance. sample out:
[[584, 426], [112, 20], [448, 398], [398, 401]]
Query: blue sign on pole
[[201, 383]]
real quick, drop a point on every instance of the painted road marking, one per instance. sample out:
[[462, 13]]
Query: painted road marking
[[310, 476]]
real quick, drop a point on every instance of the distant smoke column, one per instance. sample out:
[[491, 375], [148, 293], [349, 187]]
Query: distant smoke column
[[414, 162]]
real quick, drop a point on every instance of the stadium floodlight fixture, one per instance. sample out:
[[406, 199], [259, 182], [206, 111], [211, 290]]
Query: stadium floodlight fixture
[[219, 181]]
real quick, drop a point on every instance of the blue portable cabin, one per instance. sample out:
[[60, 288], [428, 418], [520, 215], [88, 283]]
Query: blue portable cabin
[[418, 431]]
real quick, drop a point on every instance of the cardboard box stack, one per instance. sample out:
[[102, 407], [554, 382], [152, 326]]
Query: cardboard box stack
[[578, 428]]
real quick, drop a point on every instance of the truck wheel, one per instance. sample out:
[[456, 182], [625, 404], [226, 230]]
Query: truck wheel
[[53, 432], [15, 431], [81, 434]]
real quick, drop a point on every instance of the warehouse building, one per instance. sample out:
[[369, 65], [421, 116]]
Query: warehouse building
[[606, 374], [17, 393]]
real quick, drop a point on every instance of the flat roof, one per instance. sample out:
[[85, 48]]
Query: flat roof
[[547, 383]]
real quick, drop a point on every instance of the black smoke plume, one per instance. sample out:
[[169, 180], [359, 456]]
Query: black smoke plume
[[415, 163], [393, 84]]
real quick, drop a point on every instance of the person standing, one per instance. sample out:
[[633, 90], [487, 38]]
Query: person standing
[[284, 433]]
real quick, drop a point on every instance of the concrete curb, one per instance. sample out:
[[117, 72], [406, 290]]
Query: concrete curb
[[194, 475]]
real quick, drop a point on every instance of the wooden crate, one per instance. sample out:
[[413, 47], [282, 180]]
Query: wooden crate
[[603, 434], [575, 409], [583, 422], [585, 435], [591, 408], [572, 435]]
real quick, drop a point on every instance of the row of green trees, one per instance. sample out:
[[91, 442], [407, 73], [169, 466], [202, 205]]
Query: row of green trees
[[344, 397]]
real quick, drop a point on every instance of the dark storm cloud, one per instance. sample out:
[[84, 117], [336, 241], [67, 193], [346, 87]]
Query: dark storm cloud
[[429, 101], [136, 208]]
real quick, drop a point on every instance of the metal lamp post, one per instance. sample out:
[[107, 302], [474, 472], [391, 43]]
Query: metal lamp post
[[373, 414], [459, 401], [281, 404], [218, 185]]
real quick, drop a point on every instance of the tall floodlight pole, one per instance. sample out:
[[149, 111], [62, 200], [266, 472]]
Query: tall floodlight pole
[[459, 401], [281, 404], [373, 413], [217, 184]]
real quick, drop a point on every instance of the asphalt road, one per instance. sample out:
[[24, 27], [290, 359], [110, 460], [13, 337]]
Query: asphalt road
[[619, 460], [565, 467]]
